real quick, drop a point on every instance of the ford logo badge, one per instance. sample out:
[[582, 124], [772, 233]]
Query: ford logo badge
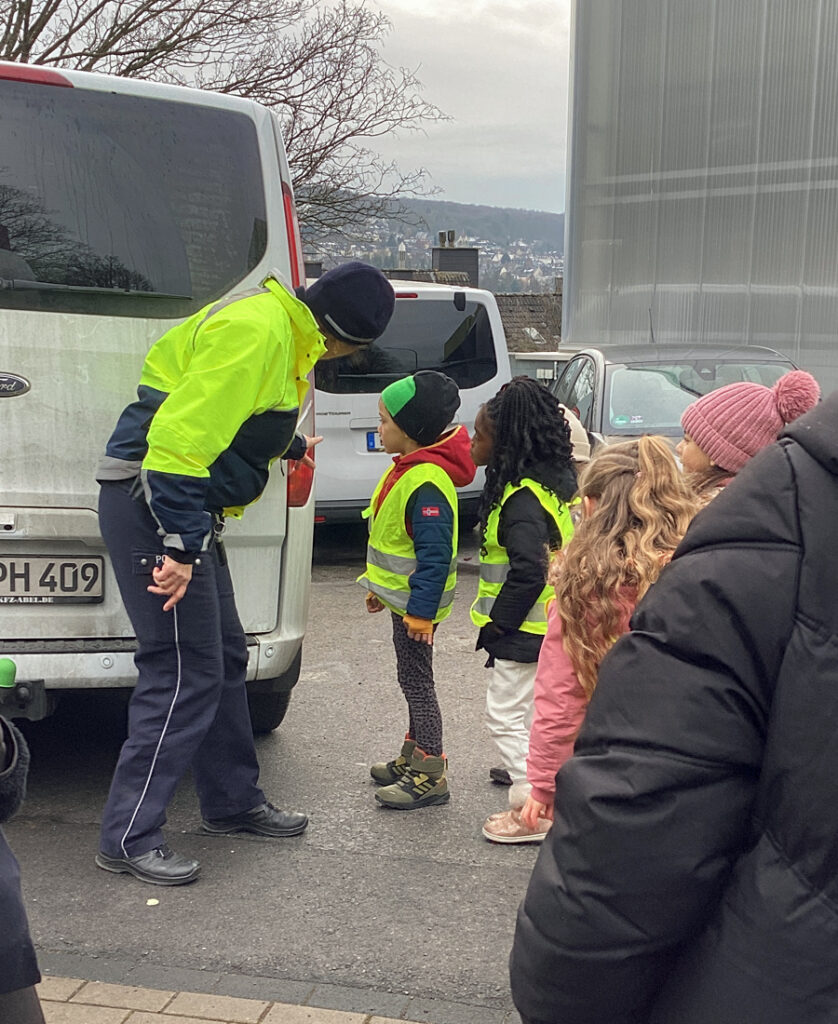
[[11, 384]]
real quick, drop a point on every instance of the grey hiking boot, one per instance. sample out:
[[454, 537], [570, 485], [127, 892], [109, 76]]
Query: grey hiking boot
[[422, 785], [386, 772]]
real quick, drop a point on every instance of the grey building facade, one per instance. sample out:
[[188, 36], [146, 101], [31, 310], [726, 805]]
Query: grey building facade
[[703, 176]]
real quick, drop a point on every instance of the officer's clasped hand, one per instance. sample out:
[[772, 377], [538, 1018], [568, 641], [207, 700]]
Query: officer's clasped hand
[[171, 580]]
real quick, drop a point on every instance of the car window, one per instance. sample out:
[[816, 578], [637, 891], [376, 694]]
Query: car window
[[646, 399], [431, 335], [580, 400], [564, 382], [124, 205]]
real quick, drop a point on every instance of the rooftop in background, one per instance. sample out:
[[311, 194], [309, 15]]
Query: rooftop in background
[[452, 277], [532, 323]]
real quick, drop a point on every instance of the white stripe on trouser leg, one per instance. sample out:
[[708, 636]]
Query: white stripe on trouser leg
[[509, 708], [160, 741]]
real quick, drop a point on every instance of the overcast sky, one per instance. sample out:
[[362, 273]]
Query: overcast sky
[[499, 69]]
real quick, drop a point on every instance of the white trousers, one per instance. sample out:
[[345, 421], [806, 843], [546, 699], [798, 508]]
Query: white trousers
[[509, 711]]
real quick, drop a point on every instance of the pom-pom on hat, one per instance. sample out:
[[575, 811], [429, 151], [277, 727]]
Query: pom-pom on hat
[[422, 405], [732, 424], [354, 301]]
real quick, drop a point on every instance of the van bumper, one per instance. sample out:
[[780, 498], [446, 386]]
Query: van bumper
[[47, 668]]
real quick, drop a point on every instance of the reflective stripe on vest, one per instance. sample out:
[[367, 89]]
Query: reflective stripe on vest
[[494, 565], [391, 557]]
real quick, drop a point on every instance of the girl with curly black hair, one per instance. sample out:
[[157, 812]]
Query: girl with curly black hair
[[522, 438]]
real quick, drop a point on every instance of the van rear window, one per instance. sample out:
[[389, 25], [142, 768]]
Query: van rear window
[[422, 335], [124, 205]]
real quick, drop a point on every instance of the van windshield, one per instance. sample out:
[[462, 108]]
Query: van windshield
[[123, 205], [422, 335]]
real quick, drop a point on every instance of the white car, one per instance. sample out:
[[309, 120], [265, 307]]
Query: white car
[[456, 330]]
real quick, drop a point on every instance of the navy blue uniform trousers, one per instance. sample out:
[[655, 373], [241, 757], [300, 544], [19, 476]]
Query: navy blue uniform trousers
[[189, 706]]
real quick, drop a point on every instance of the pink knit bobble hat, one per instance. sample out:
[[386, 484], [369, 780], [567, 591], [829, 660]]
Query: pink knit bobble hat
[[732, 424]]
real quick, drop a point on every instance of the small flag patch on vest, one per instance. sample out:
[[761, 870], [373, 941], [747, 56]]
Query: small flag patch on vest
[[430, 510]]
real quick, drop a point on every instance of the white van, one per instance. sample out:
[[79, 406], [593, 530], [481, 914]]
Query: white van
[[125, 206], [456, 330]]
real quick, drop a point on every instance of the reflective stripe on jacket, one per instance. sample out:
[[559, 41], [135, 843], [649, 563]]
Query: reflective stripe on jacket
[[494, 565], [391, 557]]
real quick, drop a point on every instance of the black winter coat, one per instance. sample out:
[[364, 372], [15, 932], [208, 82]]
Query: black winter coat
[[18, 966], [691, 876]]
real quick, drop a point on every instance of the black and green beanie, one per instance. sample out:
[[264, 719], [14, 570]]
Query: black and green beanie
[[422, 405]]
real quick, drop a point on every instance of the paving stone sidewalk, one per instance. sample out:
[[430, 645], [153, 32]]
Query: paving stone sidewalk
[[74, 1001]]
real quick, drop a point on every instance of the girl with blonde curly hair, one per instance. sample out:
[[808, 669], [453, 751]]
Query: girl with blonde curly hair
[[635, 509]]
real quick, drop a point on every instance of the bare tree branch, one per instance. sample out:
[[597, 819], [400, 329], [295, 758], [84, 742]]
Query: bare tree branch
[[318, 65]]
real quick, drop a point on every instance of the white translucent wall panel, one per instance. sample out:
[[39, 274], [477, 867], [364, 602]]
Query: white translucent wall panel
[[703, 191]]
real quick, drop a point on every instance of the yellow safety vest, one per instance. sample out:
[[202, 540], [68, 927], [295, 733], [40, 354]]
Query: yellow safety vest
[[391, 557], [494, 565]]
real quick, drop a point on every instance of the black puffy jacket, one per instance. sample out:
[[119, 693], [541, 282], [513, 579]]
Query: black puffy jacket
[[691, 876], [18, 966]]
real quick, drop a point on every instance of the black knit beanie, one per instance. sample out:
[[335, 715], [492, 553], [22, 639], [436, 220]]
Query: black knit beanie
[[422, 405], [354, 301]]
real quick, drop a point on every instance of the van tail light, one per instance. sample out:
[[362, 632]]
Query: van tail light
[[36, 75], [300, 479], [292, 230]]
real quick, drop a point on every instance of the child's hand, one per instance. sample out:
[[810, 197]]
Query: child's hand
[[421, 630], [533, 810], [373, 603]]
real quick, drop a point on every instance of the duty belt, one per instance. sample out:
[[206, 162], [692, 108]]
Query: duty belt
[[218, 525]]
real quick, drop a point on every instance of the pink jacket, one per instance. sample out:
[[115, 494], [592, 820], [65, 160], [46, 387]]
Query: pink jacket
[[559, 708]]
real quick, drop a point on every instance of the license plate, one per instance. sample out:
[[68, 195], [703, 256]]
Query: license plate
[[374, 442], [40, 579]]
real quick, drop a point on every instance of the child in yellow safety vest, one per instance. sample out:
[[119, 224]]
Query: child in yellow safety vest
[[411, 567], [523, 439]]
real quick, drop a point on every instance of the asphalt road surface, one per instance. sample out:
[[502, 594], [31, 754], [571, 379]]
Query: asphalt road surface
[[416, 903]]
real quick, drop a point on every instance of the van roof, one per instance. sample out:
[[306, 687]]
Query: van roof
[[128, 86], [428, 289]]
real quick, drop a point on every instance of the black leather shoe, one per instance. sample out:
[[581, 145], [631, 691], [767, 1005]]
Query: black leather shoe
[[264, 820], [161, 866]]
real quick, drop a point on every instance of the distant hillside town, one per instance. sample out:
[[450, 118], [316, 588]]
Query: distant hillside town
[[518, 251]]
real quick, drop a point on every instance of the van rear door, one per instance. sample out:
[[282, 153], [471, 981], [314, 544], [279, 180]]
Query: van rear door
[[124, 207]]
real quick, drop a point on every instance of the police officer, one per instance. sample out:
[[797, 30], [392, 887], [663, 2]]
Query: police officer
[[218, 400]]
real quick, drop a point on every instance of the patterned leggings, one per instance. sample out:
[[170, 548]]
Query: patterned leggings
[[415, 668]]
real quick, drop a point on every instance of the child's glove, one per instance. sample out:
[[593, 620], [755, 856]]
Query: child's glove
[[492, 631], [419, 629], [373, 602]]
